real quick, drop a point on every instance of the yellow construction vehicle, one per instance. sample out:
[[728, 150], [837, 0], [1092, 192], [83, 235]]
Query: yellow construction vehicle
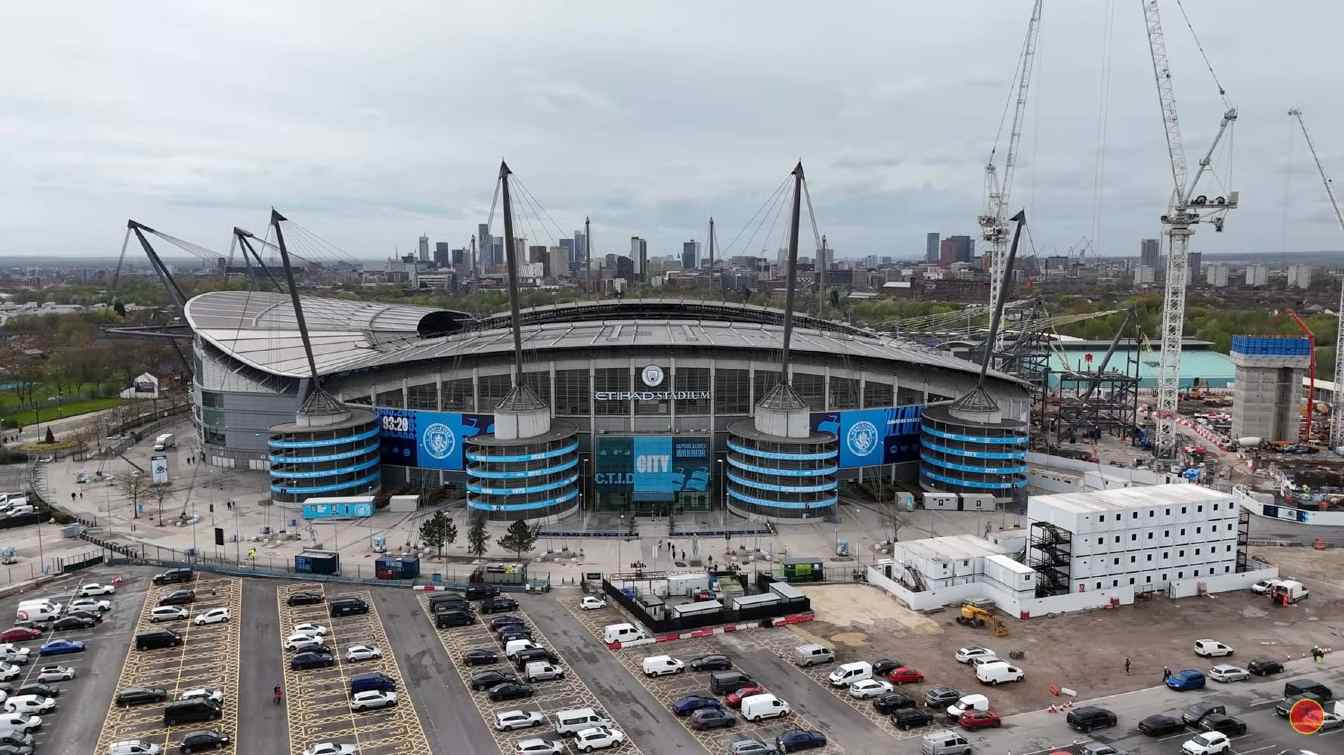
[[975, 616]]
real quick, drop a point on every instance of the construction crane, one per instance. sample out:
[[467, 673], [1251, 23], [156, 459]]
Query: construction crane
[[1311, 371], [1337, 406], [1186, 209], [994, 220]]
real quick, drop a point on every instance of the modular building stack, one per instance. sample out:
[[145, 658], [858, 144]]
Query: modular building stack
[[1267, 395], [945, 561]]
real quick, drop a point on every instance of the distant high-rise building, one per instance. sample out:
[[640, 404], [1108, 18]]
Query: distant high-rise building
[[1299, 276], [1145, 275], [690, 255], [497, 255], [568, 246], [580, 249], [825, 257], [1193, 263], [624, 268], [639, 257], [460, 261], [1216, 276], [931, 242], [485, 246], [1148, 251], [1256, 276], [442, 255], [557, 261], [947, 252], [424, 249], [965, 247]]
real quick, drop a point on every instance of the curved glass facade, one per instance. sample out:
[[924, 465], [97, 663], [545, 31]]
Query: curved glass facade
[[780, 478], [961, 456], [527, 478], [340, 459]]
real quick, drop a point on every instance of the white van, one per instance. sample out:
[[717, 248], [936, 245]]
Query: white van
[[622, 633], [759, 707], [541, 670], [848, 673], [165, 442], [967, 702], [514, 647], [998, 673], [571, 722], [134, 747], [811, 655], [659, 665], [31, 611], [944, 743]]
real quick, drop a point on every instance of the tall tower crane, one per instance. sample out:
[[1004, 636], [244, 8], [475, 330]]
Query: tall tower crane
[[994, 220], [1186, 209], [1337, 407]]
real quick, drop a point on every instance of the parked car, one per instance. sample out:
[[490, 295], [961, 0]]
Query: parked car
[[61, 647], [174, 575], [1089, 718], [749, 746], [710, 663], [1225, 673], [497, 604], [868, 688], [712, 718], [373, 699], [795, 740], [67, 623], [661, 665], [178, 598], [884, 666], [480, 657], [36, 688], [518, 719], [199, 741], [140, 696], [20, 634], [598, 738], [910, 718], [592, 603], [509, 691], [496, 622], [1185, 680], [905, 675], [211, 694], [966, 655], [939, 697], [489, 678], [1196, 712], [1160, 725], [1219, 722], [538, 746], [9, 671], [94, 588], [890, 702], [1208, 743], [29, 704], [213, 616], [89, 604], [734, 699], [94, 616], [1264, 666], [688, 704], [311, 659], [532, 655], [55, 674], [980, 719], [299, 642], [1212, 649], [167, 613], [511, 633], [303, 598], [330, 748]]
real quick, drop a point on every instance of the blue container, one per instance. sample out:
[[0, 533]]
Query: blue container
[[397, 568]]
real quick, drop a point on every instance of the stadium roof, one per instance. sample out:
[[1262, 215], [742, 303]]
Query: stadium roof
[[260, 330]]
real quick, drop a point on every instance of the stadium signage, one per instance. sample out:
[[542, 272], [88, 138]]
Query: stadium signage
[[648, 395]]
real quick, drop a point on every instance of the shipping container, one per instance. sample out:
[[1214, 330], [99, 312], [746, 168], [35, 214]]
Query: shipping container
[[804, 570], [403, 503], [397, 568], [338, 507], [317, 562], [754, 601], [786, 591], [694, 609]]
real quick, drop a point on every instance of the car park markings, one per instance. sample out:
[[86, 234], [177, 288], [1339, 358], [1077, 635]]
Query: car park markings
[[206, 658], [312, 704], [549, 697]]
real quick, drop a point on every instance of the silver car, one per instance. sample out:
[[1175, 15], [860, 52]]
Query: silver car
[[538, 746], [750, 746], [55, 674], [518, 719], [1226, 672]]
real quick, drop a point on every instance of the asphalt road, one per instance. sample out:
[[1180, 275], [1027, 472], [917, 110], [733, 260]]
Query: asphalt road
[[261, 723]]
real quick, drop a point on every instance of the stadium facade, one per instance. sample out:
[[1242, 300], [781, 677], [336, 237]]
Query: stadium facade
[[649, 405]]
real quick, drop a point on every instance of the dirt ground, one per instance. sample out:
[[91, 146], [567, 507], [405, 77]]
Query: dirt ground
[[1086, 651]]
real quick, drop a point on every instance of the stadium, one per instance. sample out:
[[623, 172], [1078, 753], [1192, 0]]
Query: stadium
[[635, 406]]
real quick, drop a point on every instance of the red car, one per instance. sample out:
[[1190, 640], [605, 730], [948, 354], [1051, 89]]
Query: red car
[[735, 698], [980, 719], [904, 675], [19, 634]]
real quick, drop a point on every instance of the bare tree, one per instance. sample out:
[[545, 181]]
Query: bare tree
[[133, 485], [160, 492]]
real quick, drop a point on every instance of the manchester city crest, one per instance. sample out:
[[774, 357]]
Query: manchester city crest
[[438, 440], [861, 438]]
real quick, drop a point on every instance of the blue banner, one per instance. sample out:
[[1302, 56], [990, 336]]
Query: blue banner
[[337, 510], [656, 464], [869, 437], [432, 440]]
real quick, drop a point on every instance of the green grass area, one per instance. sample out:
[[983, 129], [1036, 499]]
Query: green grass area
[[13, 416]]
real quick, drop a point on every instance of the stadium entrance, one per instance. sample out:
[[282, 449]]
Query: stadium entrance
[[652, 475]]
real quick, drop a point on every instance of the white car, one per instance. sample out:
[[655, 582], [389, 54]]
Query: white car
[[8, 652], [372, 700], [304, 642], [316, 630], [9, 671], [135, 745], [95, 589], [981, 660], [966, 655], [362, 653], [1208, 743], [20, 721], [538, 746], [89, 604], [213, 616], [661, 665], [518, 719], [591, 602], [29, 704], [202, 693], [1264, 585], [167, 613], [330, 748], [1212, 648], [55, 674], [866, 688], [1227, 673], [598, 738]]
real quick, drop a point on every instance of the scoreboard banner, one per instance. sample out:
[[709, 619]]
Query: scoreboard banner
[[657, 464], [431, 440], [869, 437]]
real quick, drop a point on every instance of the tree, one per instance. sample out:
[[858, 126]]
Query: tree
[[520, 537], [438, 531], [477, 537], [133, 486]]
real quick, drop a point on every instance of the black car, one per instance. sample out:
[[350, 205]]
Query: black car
[[199, 741], [1264, 666], [712, 718], [1090, 717], [939, 697], [487, 679], [509, 634], [710, 663], [524, 657], [16, 750], [890, 702], [311, 660], [497, 604], [502, 621], [1196, 712], [96, 618], [174, 575], [72, 622], [1232, 727], [37, 688], [303, 598], [16, 739], [480, 657], [884, 666], [794, 740], [478, 591], [1159, 725], [178, 598], [509, 691], [140, 696], [909, 718]]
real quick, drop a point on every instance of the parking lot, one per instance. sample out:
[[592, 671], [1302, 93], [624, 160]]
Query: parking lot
[[318, 700], [549, 696], [207, 658]]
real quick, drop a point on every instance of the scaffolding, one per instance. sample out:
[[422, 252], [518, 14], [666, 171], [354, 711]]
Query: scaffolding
[[1243, 538], [1051, 550], [1087, 405]]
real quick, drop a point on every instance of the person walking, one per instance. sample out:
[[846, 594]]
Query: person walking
[[1166, 674], [1127, 666]]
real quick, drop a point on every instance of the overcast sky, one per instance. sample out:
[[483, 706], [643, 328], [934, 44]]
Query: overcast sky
[[371, 123]]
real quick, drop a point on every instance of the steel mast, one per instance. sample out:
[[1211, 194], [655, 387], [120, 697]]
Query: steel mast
[[1182, 214]]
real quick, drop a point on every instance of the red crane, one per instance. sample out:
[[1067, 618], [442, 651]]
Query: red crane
[[1311, 373]]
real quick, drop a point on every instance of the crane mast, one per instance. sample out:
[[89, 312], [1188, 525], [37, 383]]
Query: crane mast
[[993, 222], [1183, 213], [1337, 407]]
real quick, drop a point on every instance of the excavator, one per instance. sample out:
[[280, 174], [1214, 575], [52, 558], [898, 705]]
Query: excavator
[[975, 616]]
